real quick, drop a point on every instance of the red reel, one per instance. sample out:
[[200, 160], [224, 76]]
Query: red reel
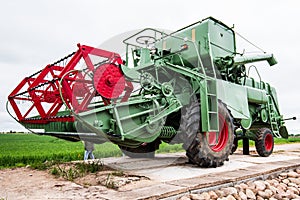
[[109, 81]]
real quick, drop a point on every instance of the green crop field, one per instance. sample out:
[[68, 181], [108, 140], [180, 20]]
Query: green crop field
[[18, 150], [29, 149], [277, 141]]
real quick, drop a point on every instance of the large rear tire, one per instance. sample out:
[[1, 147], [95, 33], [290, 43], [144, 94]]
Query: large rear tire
[[264, 142], [208, 149]]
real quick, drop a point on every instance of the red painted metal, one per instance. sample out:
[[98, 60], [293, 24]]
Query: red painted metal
[[42, 88], [269, 142], [109, 81], [218, 141]]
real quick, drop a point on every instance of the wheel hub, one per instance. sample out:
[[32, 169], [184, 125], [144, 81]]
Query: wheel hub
[[218, 141], [109, 81], [269, 142]]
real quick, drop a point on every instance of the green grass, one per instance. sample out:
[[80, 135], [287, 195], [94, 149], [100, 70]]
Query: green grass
[[167, 148], [277, 141], [287, 141], [71, 172], [18, 150]]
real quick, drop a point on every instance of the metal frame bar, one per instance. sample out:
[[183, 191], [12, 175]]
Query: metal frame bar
[[34, 83]]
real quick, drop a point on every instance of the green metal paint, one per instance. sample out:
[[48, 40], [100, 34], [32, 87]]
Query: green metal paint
[[196, 62]]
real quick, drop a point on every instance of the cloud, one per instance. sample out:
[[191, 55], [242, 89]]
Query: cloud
[[8, 124]]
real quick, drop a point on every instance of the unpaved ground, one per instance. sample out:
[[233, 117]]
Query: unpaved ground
[[25, 183]]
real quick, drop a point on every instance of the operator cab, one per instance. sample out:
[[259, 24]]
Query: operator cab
[[148, 45]]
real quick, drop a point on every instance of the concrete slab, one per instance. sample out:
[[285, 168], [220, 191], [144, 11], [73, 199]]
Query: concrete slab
[[188, 171], [156, 191], [133, 164], [257, 159], [199, 182], [174, 167], [169, 175]]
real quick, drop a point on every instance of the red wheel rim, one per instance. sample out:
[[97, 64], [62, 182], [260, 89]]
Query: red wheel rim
[[218, 141], [268, 142]]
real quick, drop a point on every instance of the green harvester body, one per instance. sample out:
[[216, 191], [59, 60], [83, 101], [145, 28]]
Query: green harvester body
[[198, 63]]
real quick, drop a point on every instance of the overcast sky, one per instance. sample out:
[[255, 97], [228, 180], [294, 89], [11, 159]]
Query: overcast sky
[[35, 33]]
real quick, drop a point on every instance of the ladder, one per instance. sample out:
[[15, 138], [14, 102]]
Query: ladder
[[272, 116], [208, 97], [209, 106]]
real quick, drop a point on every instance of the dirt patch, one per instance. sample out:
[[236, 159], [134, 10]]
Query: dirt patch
[[110, 179], [26, 183], [93, 174]]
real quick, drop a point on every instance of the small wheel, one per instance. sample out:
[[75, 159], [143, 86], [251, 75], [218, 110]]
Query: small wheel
[[264, 142], [145, 40]]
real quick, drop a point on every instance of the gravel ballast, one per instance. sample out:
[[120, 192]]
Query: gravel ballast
[[285, 185]]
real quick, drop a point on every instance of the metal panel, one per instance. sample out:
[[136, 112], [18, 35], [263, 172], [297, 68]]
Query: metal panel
[[235, 97]]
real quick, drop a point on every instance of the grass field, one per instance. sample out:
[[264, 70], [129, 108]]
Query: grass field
[[18, 150], [277, 141], [29, 149]]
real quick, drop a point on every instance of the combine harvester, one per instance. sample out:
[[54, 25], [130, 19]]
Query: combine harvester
[[190, 86]]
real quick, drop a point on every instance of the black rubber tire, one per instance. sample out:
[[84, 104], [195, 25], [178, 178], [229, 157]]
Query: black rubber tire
[[234, 145], [143, 151], [264, 142], [197, 146], [189, 124]]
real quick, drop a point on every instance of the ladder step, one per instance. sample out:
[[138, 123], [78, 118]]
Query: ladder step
[[210, 94], [272, 116], [209, 106]]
